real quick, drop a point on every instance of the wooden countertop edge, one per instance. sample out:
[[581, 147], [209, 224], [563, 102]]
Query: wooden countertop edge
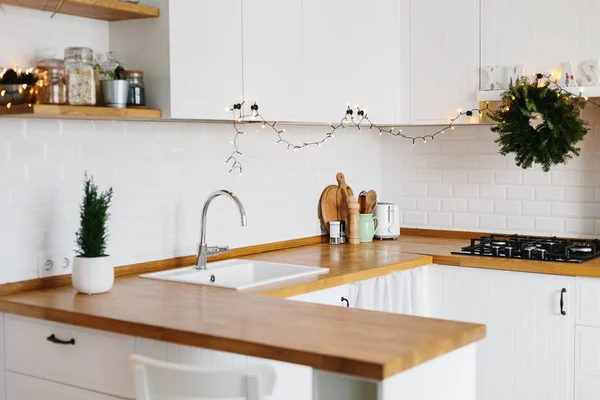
[[432, 350], [359, 368], [345, 279]]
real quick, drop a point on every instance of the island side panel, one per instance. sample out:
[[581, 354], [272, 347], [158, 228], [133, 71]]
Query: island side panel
[[452, 376]]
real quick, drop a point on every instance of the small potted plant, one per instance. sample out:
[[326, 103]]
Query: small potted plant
[[93, 271], [114, 89]]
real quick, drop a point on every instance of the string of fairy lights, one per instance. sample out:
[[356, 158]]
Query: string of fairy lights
[[550, 78], [354, 117]]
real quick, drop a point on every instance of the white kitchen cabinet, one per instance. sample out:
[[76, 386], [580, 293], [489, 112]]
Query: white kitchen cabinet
[[530, 33], [587, 387], [350, 57], [191, 56], [587, 350], [273, 58], [85, 358], [23, 387], [335, 296], [443, 61], [528, 351]]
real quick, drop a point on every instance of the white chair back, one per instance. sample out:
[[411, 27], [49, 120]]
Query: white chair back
[[159, 380]]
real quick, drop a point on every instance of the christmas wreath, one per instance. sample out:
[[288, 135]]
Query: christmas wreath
[[539, 123]]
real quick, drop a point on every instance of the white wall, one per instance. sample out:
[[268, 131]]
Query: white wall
[[30, 34], [161, 174], [460, 182]]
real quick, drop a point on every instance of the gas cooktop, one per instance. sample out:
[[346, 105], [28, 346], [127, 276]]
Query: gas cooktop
[[535, 248]]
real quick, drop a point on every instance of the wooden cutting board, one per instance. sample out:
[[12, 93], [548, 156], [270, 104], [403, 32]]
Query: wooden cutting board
[[343, 193], [328, 208]]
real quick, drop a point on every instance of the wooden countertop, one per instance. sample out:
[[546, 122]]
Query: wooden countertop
[[351, 341]]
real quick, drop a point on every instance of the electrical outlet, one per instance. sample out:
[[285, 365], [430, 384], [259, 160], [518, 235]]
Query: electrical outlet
[[55, 264]]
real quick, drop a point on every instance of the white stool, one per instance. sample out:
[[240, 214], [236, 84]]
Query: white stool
[[159, 380]]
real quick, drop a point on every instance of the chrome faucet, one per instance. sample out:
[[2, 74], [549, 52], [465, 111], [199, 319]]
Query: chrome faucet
[[203, 250]]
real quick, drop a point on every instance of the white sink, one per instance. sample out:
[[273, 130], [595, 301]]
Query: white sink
[[237, 274]]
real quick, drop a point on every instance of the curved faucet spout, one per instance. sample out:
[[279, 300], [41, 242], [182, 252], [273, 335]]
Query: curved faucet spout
[[203, 248]]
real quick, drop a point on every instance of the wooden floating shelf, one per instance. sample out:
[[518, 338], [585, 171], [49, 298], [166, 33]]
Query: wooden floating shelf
[[496, 95], [105, 10], [78, 112]]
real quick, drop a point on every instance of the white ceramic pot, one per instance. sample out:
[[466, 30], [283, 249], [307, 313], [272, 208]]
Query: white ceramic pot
[[93, 275]]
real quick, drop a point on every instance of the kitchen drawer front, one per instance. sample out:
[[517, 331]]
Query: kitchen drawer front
[[587, 350], [588, 301], [587, 387], [23, 387], [332, 296], [98, 361]]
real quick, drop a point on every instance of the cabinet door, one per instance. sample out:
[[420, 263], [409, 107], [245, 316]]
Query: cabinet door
[[273, 57], [444, 59], [350, 58], [529, 33], [205, 39], [22, 387], [335, 296], [528, 351]]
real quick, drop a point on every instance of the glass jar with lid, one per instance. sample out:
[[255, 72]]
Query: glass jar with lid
[[137, 89], [43, 66], [54, 90], [80, 76]]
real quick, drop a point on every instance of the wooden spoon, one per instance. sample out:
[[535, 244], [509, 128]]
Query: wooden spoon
[[328, 208], [371, 201]]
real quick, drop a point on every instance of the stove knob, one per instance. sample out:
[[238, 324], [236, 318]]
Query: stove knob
[[508, 251], [528, 252], [542, 254], [495, 251]]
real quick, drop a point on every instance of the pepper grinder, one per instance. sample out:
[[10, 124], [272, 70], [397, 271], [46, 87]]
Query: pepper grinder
[[353, 227]]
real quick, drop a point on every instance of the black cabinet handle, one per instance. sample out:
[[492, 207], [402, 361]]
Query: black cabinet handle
[[347, 301], [562, 302], [55, 340]]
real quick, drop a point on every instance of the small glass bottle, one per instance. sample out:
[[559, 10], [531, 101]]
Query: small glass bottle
[[80, 76], [137, 89], [54, 90], [43, 66]]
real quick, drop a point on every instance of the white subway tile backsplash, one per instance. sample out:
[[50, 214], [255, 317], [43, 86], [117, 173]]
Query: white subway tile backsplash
[[520, 224], [581, 194], [536, 178], [429, 204], [566, 178], [466, 191], [414, 218], [466, 162], [550, 226], [466, 221], [439, 190], [509, 177], [496, 161], [481, 176], [454, 205], [440, 220], [440, 161], [520, 192], [496, 192], [565, 209], [480, 206], [580, 226], [536, 208], [429, 175], [492, 222], [454, 176], [590, 210], [407, 204], [591, 178], [549, 193], [414, 189], [502, 207]]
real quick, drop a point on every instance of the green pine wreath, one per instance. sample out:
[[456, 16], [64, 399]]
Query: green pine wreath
[[539, 124]]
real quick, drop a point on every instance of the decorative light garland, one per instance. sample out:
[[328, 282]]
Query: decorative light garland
[[550, 78], [363, 122]]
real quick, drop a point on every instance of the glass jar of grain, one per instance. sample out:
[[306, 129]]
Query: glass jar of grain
[[54, 90], [80, 76]]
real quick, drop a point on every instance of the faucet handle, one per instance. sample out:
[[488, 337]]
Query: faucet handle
[[214, 250]]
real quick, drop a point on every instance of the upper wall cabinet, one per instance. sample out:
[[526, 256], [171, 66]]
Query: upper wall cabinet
[[444, 58], [272, 41], [532, 33], [191, 56], [350, 49]]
